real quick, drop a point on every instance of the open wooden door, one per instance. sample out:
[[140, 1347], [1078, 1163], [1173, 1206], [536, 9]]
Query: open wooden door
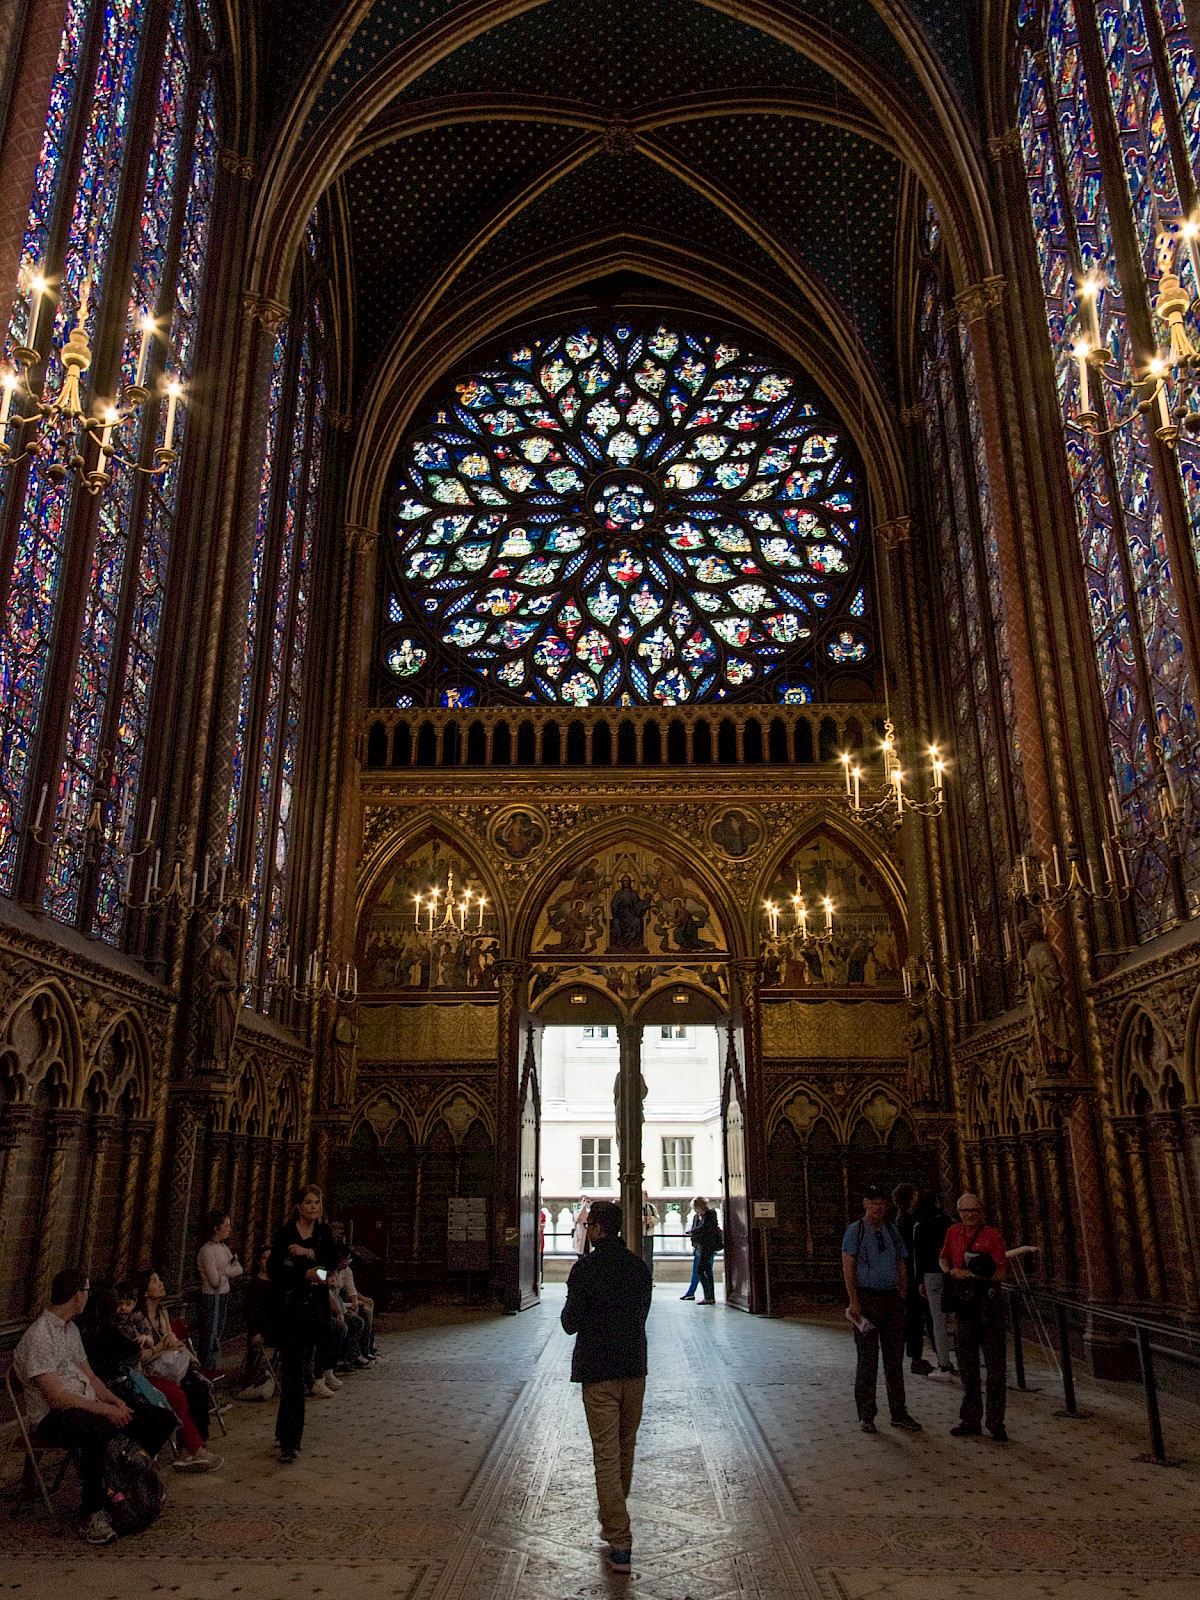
[[529, 1270], [736, 1217]]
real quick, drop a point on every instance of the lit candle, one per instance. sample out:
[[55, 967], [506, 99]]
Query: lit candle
[[1089, 291], [1045, 883], [803, 920], [857, 778], [144, 352], [37, 288], [796, 905], [1092, 875], [432, 905], [845, 760], [1007, 941], [1124, 860], [174, 390], [828, 903], [194, 881], [1057, 869], [1081, 350], [150, 821], [939, 767], [207, 858], [8, 384], [417, 912], [1106, 855], [1114, 805], [898, 786], [482, 903], [37, 821], [1158, 371], [111, 418], [149, 884], [462, 916]]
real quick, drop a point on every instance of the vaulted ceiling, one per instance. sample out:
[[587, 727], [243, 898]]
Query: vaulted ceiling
[[475, 146]]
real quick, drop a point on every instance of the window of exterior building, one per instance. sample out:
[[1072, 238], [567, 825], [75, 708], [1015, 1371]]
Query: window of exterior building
[[598, 1035], [673, 1031], [677, 1163], [595, 1164]]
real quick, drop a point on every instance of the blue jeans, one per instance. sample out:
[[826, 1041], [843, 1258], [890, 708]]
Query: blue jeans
[[695, 1274], [216, 1309]]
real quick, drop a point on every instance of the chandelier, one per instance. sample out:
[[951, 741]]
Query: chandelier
[[455, 915], [56, 430], [801, 933], [888, 794], [1174, 367]]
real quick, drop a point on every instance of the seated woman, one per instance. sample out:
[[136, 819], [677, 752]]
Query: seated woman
[[169, 1367], [257, 1382], [115, 1358]]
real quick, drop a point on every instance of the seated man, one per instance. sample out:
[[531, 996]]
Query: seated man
[[348, 1314], [66, 1402]]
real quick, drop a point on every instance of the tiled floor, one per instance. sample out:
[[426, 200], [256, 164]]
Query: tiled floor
[[460, 1470]]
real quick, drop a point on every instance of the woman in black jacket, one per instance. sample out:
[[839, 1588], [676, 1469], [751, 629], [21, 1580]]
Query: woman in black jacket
[[705, 1234], [303, 1254], [113, 1356]]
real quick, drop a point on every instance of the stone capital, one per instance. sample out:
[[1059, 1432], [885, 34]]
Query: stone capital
[[360, 539], [895, 532], [1005, 144], [241, 166], [269, 314], [978, 300]]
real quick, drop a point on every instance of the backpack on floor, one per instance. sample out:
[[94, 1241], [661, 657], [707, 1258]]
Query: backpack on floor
[[133, 1491]]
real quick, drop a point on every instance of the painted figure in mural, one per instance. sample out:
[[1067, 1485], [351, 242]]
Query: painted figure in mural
[[686, 919], [519, 835], [219, 1000], [627, 925], [735, 834], [920, 1053], [1043, 987], [573, 924]]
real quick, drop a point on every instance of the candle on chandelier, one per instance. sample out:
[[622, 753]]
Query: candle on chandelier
[[1106, 857], [906, 975], [174, 390], [939, 768], [898, 786], [37, 821], [207, 860], [37, 288], [1025, 875], [462, 916], [482, 903], [194, 880], [111, 418], [147, 326], [1081, 350], [1007, 941], [1092, 876], [1057, 868], [857, 778], [8, 384], [432, 908], [828, 904], [845, 760], [1089, 301], [417, 912], [150, 820], [157, 864], [1158, 371]]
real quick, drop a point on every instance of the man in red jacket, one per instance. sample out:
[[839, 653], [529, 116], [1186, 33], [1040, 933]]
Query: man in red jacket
[[974, 1256]]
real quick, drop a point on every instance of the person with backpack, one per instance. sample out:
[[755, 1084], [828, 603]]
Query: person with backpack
[[875, 1270], [68, 1406], [707, 1240]]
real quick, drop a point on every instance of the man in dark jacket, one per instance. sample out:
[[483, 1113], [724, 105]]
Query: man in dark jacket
[[608, 1301]]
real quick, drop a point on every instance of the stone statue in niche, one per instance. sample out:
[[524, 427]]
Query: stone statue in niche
[[1044, 989], [344, 1050], [219, 1000], [921, 1085]]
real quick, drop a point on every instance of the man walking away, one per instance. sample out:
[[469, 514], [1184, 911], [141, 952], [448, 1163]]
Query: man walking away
[[974, 1256], [608, 1301], [875, 1271]]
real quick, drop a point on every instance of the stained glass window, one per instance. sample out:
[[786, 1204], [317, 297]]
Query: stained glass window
[[616, 514], [987, 752], [267, 737], [85, 192], [1120, 501]]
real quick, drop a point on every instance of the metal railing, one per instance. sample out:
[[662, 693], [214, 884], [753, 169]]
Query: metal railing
[[1143, 1331]]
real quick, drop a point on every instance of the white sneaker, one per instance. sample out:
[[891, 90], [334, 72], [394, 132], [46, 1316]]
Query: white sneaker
[[262, 1391], [941, 1375], [97, 1529], [319, 1389], [330, 1381]]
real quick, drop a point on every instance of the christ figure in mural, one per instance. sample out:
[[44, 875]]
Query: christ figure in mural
[[627, 926]]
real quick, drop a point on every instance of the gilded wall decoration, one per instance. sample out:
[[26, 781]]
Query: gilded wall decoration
[[627, 900], [431, 927], [866, 948], [627, 981], [429, 1033], [868, 1030]]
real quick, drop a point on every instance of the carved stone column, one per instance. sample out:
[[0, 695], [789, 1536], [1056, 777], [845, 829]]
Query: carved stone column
[[137, 1137], [62, 1129], [1016, 1212], [188, 1127], [629, 1132], [14, 1127], [233, 1191], [936, 1129], [216, 1154], [260, 1155], [1035, 1211], [103, 1135], [1167, 1134], [746, 982], [291, 1173], [1132, 1135]]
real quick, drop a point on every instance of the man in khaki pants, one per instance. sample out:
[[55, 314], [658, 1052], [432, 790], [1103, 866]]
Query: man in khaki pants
[[608, 1301]]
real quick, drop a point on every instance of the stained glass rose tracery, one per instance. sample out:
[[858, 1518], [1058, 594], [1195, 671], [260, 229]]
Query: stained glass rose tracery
[[629, 516]]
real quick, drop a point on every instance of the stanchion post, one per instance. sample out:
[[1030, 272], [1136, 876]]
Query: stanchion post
[[1064, 1359], [1018, 1343], [1150, 1388]]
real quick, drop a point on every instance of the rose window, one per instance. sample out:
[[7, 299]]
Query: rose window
[[626, 517]]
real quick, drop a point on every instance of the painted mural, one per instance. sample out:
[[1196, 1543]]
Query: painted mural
[[864, 951], [432, 928], [627, 901]]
